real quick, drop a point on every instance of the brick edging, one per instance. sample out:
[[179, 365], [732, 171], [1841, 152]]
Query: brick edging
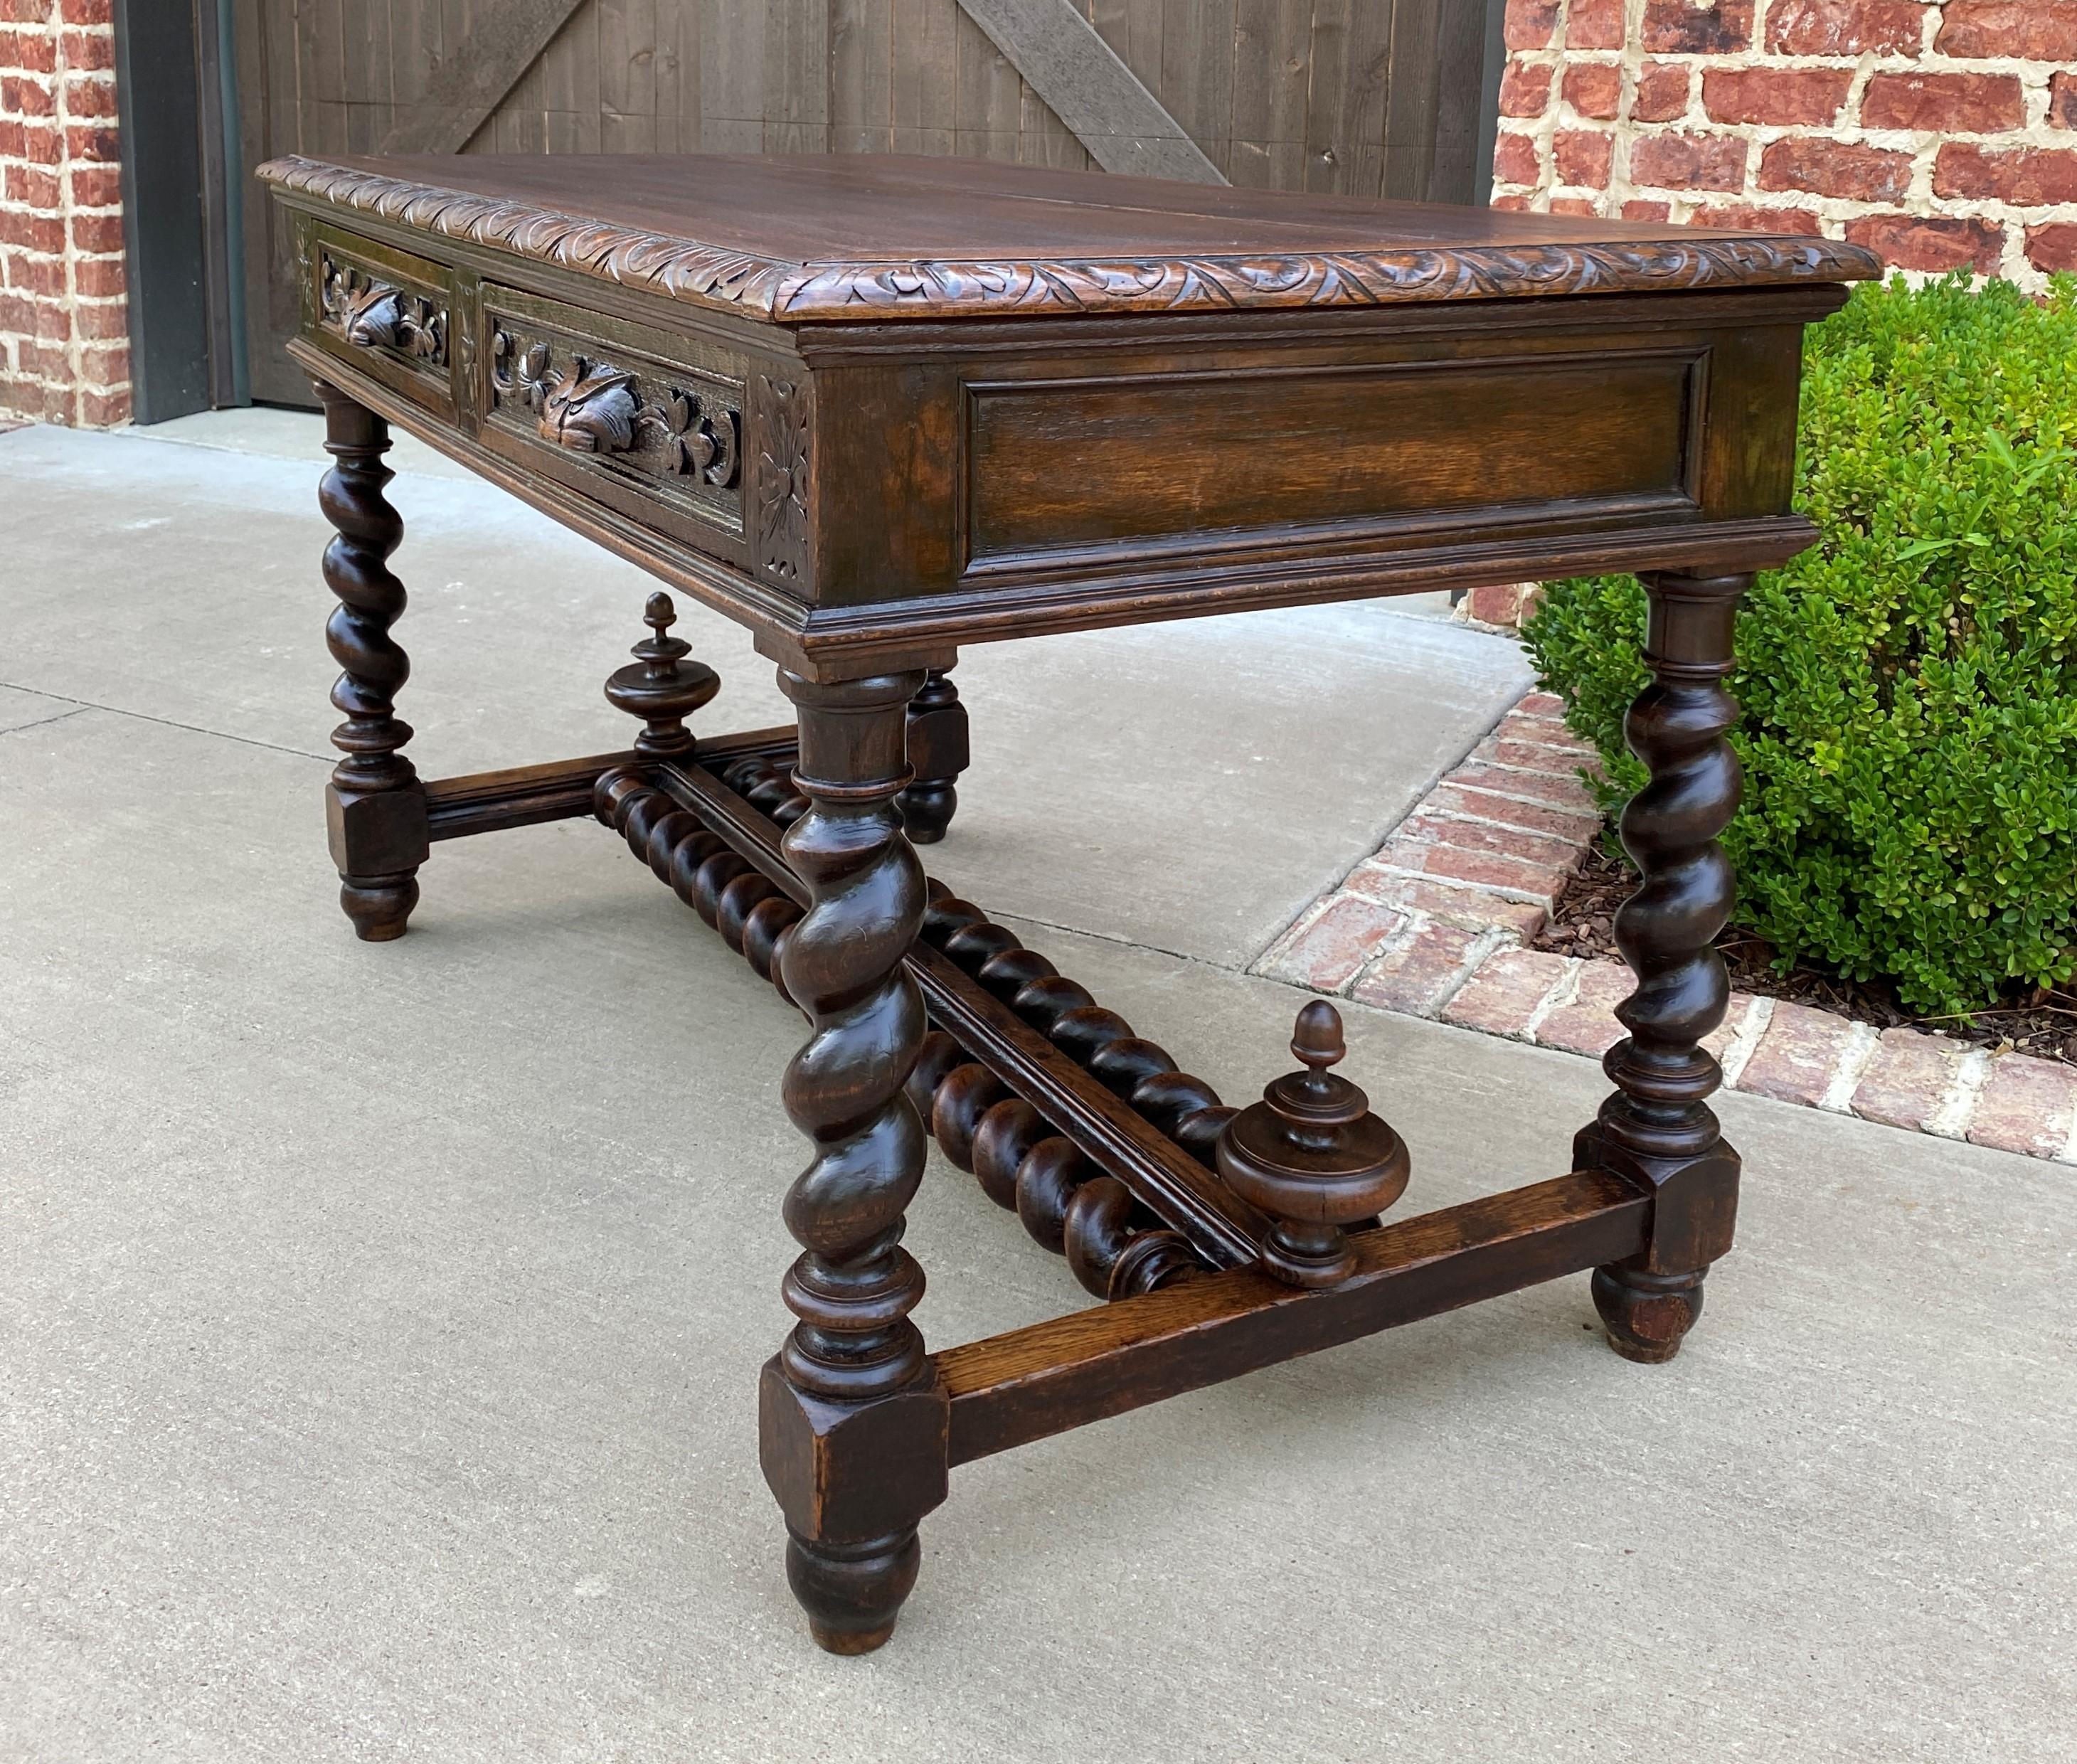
[[1433, 924]]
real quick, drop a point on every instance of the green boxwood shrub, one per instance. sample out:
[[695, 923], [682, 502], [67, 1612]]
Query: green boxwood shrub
[[1909, 685]]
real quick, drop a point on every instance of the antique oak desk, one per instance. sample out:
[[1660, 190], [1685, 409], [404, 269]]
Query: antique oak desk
[[876, 408]]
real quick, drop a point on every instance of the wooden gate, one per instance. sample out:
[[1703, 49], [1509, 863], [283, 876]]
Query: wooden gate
[[1369, 97]]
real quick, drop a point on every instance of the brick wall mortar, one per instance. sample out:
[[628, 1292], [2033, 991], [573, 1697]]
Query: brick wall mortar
[[65, 352], [1999, 196]]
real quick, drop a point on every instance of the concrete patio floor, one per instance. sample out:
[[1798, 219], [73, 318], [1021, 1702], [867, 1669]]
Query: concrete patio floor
[[378, 1323]]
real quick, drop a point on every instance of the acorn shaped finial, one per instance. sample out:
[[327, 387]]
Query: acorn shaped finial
[[661, 688], [660, 613], [1313, 1156]]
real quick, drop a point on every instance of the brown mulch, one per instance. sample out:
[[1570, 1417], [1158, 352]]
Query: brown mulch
[[1583, 923]]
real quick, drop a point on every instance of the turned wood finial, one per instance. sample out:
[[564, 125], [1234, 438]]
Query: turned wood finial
[[661, 687], [1316, 1039], [1313, 1156]]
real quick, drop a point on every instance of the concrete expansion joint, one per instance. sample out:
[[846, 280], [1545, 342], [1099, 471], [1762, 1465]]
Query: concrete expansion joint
[[44, 722]]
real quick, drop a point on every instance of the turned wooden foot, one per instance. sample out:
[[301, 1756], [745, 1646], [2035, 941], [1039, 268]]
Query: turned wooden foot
[[1647, 1315], [380, 906], [937, 753], [376, 806], [853, 1592]]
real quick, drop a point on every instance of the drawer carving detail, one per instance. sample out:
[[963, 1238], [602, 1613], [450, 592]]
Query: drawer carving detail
[[372, 313], [591, 406], [782, 480]]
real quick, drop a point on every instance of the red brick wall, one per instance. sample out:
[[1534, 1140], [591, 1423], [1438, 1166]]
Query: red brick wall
[[1942, 133], [64, 353]]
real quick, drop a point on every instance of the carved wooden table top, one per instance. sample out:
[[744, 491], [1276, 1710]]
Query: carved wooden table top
[[867, 403], [800, 239], [877, 409]]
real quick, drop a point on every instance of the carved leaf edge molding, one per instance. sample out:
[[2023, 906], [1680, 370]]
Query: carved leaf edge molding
[[706, 274]]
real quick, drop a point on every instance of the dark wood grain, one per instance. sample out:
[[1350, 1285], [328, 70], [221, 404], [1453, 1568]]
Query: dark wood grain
[[376, 806], [516, 797], [1148, 1123], [754, 914], [854, 1366], [827, 238], [663, 685], [938, 751], [1003, 1391], [1065, 1201], [1313, 1158], [1156, 1139], [882, 524], [647, 422], [1369, 444], [1011, 1389], [853, 1286], [1658, 1129], [902, 483], [725, 863], [797, 390]]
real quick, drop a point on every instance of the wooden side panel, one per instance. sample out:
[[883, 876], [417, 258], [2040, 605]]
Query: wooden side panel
[[796, 76], [732, 45], [1194, 78], [1272, 70], [1069, 468], [905, 544], [629, 45], [925, 51], [957, 469], [988, 117], [1748, 463], [679, 59]]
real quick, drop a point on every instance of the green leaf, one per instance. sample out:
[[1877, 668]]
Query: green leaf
[[1908, 725]]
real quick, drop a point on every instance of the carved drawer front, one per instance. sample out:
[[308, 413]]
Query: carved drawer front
[[389, 313], [647, 423]]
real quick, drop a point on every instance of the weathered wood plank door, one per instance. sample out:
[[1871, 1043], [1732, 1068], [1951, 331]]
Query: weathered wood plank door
[[1372, 98]]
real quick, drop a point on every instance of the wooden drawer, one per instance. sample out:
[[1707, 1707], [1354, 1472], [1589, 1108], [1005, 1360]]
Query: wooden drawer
[[389, 313], [647, 424]]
